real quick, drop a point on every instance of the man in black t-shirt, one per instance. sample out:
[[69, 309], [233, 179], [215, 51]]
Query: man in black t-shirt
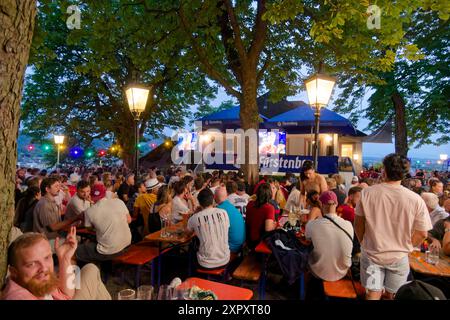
[[127, 189]]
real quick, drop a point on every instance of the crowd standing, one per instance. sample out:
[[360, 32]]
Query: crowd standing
[[376, 219]]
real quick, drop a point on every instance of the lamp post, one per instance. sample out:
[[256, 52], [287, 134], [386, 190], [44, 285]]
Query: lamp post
[[59, 140], [319, 88], [137, 100]]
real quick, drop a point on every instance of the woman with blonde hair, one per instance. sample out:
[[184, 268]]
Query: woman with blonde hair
[[106, 176], [162, 207], [279, 196]]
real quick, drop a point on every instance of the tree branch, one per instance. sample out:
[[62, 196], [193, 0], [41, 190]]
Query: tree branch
[[237, 31], [260, 32], [207, 66], [264, 68]]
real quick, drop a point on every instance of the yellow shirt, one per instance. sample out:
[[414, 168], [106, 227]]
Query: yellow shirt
[[145, 204]]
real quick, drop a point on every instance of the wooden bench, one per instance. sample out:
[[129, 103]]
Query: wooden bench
[[343, 289], [138, 255], [249, 269], [219, 272]]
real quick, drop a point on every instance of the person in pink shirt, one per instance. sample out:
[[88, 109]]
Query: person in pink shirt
[[32, 274], [390, 221]]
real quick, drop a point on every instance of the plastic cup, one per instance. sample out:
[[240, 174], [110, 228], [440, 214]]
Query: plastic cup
[[145, 293], [165, 292], [165, 224], [127, 294]]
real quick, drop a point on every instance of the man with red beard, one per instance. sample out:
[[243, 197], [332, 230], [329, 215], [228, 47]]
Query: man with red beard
[[32, 275]]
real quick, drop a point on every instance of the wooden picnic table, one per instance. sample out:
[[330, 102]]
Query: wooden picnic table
[[418, 263], [175, 239], [182, 237], [221, 290]]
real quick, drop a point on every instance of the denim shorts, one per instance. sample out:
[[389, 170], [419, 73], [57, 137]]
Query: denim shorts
[[390, 277]]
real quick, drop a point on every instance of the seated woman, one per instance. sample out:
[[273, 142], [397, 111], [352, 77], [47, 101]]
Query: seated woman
[[314, 205], [260, 216], [162, 207]]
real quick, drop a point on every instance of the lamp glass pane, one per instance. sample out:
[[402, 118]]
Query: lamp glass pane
[[59, 139], [137, 99], [319, 90]]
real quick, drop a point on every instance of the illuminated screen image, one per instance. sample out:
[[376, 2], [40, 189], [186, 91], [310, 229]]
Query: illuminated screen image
[[187, 141], [272, 142]]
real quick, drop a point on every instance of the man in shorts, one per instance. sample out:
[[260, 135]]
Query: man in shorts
[[390, 220]]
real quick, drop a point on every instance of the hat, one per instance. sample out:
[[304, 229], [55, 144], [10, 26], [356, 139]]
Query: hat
[[152, 183], [355, 179], [328, 196], [98, 192], [419, 290], [74, 178]]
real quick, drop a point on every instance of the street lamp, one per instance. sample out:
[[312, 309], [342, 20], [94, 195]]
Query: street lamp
[[319, 88], [59, 140], [137, 100]]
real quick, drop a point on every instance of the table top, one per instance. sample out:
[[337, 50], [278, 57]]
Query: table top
[[418, 263], [181, 238], [222, 291]]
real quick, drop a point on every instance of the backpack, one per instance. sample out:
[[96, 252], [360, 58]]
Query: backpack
[[291, 255]]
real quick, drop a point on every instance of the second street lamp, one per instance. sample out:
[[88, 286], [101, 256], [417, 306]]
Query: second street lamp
[[137, 100], [59, 140], [319, 88]]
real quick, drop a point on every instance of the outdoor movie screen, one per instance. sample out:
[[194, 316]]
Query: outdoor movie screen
[[272, 142]]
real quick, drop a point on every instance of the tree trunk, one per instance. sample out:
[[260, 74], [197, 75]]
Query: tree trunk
[[401, 140], [16, 34], [127, 152], [249, 115]]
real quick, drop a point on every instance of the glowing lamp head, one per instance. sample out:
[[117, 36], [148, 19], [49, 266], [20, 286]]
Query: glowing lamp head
[[137, 99], [319, 88], [59, 139]]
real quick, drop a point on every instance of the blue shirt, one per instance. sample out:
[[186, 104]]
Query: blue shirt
[[236, 233]]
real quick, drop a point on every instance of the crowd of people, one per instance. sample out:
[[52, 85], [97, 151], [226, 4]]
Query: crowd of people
[[376, 220]]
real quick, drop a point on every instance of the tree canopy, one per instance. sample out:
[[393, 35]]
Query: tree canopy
[[78, 77], [422, 82]]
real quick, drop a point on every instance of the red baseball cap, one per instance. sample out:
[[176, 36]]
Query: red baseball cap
[[98, 192], [328, 196]]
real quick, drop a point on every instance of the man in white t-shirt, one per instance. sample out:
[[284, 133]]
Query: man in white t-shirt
[[110, 218], [211, 226], [80, 202], [432, 202], [390, 221], [215, 183], [237, 195], [182, 203], [332, 239]]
